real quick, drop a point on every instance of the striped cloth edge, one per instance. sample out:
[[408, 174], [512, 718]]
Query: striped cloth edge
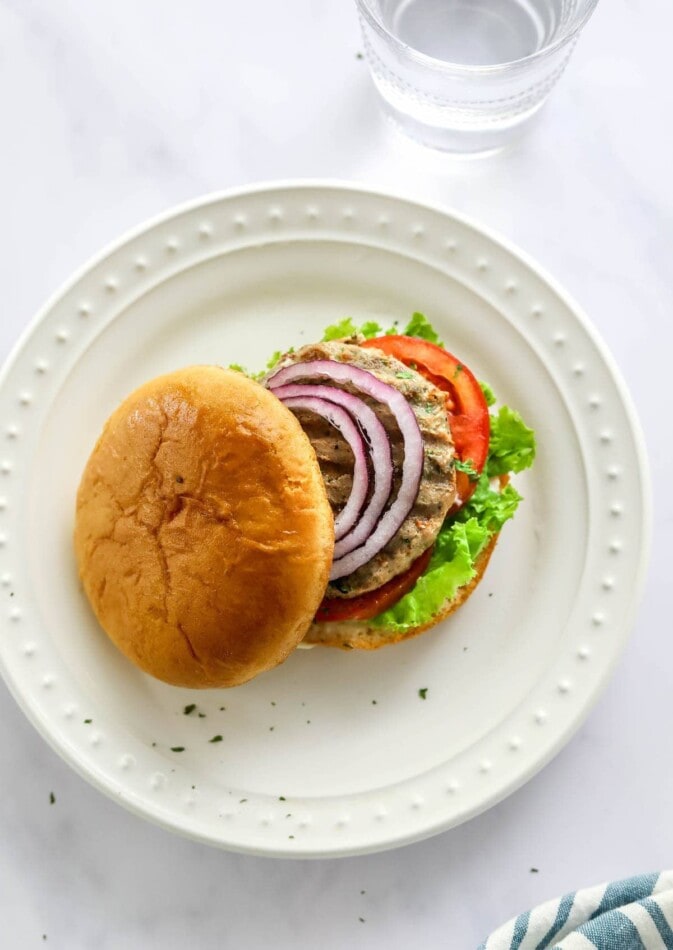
[[632, 914]]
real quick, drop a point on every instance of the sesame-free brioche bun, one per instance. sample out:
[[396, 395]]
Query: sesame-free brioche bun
[[203, 533]]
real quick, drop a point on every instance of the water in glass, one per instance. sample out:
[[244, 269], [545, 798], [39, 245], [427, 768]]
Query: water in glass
[[475, 32], [462, 74]]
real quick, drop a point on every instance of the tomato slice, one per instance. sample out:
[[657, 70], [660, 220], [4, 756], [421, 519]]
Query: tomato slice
[[369, 605], [466, 405]]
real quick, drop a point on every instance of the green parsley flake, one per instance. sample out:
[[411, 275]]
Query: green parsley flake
[[216, 739], [423, 693], [189, 709], [177, 748], [467, 467]]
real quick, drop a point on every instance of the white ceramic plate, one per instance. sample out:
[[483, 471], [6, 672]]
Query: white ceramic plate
[[333, 753]]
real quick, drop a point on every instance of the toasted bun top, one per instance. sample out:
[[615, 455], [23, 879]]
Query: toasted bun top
[[203, 534]]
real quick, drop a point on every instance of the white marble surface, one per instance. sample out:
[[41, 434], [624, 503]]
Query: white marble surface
[[114, 111]]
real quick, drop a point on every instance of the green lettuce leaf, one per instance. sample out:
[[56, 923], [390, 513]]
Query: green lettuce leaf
[[336, 331], [459, 543], [420, 326], [451, 566], [489, 395], [273, 360], [512, 444], [346, 327], [491, 509], [370, 329]]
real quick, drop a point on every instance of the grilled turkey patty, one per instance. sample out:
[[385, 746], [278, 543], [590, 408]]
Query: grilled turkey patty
[[437, 488]]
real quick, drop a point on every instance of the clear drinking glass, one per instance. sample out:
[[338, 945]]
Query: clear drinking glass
[[464, 75]]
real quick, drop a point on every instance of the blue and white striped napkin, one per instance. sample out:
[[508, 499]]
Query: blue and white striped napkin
[[633, 914]]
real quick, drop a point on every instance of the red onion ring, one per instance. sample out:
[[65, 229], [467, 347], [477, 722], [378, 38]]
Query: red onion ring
[[377, 534], [379, 449], [341, 420]]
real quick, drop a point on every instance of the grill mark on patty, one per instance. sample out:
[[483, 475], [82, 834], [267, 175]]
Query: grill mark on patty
[[437, 488], [334, 456]]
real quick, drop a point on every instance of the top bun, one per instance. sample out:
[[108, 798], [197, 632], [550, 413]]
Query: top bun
[[203, 535]]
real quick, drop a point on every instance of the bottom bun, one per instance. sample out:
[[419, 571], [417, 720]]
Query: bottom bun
[[362, 635]]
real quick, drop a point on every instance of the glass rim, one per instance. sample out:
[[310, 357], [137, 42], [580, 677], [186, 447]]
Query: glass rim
[[424, 59]]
